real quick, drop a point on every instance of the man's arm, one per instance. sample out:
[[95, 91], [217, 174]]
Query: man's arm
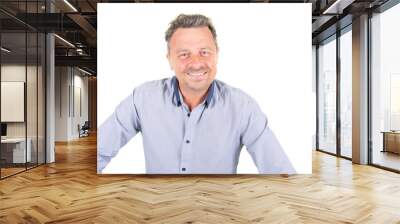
[[117, 130], [262, 143]]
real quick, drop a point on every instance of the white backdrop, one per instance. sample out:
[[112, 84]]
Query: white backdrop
[[265, 50]]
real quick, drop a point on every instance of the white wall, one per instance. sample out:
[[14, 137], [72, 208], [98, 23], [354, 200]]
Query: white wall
[[79, 117], [69, 82], [61, 103]]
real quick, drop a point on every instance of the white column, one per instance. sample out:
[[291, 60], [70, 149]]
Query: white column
[[50, 93]]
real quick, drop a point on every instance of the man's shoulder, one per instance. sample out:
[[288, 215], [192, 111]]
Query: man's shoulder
[[155, 84], [152, 90], [236, 98], [229, 92]]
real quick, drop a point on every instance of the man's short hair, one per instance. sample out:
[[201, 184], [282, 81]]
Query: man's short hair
[[190, 21]]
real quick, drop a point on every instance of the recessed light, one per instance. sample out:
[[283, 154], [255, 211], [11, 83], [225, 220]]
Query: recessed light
[[84, 71], [5, 50], [64, 40], [70, 5]]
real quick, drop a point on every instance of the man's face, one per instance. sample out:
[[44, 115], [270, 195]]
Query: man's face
[[193, 56]]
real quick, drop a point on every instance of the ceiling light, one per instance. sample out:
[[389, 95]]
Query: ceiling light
[[79, 51], [338, 6], [5, 50], [84, 71], [70, 5], [64, 40]]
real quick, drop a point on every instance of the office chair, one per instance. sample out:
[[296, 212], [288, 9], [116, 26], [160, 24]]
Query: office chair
[[84, 130]]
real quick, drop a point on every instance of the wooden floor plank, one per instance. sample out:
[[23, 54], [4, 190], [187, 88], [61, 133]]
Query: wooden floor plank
[[70, 191]]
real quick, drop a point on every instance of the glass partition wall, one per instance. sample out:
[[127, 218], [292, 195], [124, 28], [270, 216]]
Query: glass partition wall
[[22, 77], [13, 90], [334, 71]]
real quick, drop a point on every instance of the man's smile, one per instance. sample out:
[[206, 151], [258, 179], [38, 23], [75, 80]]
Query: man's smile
[[197, 75]]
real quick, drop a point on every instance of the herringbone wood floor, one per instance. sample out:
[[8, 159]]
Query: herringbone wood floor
[[70, 191]]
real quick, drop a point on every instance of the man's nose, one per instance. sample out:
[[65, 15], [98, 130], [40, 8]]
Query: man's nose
[[196, 61]]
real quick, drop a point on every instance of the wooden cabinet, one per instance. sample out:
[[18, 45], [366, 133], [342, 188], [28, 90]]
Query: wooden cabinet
[[391, 142]]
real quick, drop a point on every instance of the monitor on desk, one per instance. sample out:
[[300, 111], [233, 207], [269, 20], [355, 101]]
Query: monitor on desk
[[3, 130]]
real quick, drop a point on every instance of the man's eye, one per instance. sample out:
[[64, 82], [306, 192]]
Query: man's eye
[[183, 55], [204, 53]]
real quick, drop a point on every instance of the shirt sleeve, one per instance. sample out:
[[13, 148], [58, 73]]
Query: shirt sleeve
[[262, 144], [117, 130]]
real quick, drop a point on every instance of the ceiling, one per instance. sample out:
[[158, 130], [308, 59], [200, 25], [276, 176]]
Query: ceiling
[[76, 22]]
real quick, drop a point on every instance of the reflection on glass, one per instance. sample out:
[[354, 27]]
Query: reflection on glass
[[327, 96], [346, 94], [31, 101], [13, 86], [22, 90], [386, 89], [395, 102]]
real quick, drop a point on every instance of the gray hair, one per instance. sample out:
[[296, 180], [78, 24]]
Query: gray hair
[[189, 21]]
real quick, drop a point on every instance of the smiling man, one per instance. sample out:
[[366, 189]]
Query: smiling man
[[192, 123]]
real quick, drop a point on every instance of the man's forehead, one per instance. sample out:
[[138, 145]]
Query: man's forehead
[[183, 49], [192, 33], [187, 38]]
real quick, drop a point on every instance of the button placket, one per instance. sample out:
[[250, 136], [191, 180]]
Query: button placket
[[186, 144]]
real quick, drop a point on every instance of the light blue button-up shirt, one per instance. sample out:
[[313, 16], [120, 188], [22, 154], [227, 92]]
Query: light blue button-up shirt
[[206, 140]]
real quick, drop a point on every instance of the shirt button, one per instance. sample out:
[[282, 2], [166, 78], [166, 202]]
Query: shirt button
[[187, 141], [188, 114], [183, 169]]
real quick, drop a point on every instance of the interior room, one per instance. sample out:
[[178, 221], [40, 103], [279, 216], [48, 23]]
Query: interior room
[[48, 104]]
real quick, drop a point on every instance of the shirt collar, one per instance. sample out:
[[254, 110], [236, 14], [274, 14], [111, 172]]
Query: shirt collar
[[176, 95]]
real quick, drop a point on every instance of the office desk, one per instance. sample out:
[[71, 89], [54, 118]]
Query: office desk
[[16, 147], [391, 141]]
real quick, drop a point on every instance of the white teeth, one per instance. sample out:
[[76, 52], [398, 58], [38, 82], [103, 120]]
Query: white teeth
[[196, 74]]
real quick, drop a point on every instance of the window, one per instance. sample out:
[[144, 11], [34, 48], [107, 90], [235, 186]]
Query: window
[[327, 96], [385, 88], [346, 92]]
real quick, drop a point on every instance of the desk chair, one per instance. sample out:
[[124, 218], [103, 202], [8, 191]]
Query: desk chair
[[84, 130]]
